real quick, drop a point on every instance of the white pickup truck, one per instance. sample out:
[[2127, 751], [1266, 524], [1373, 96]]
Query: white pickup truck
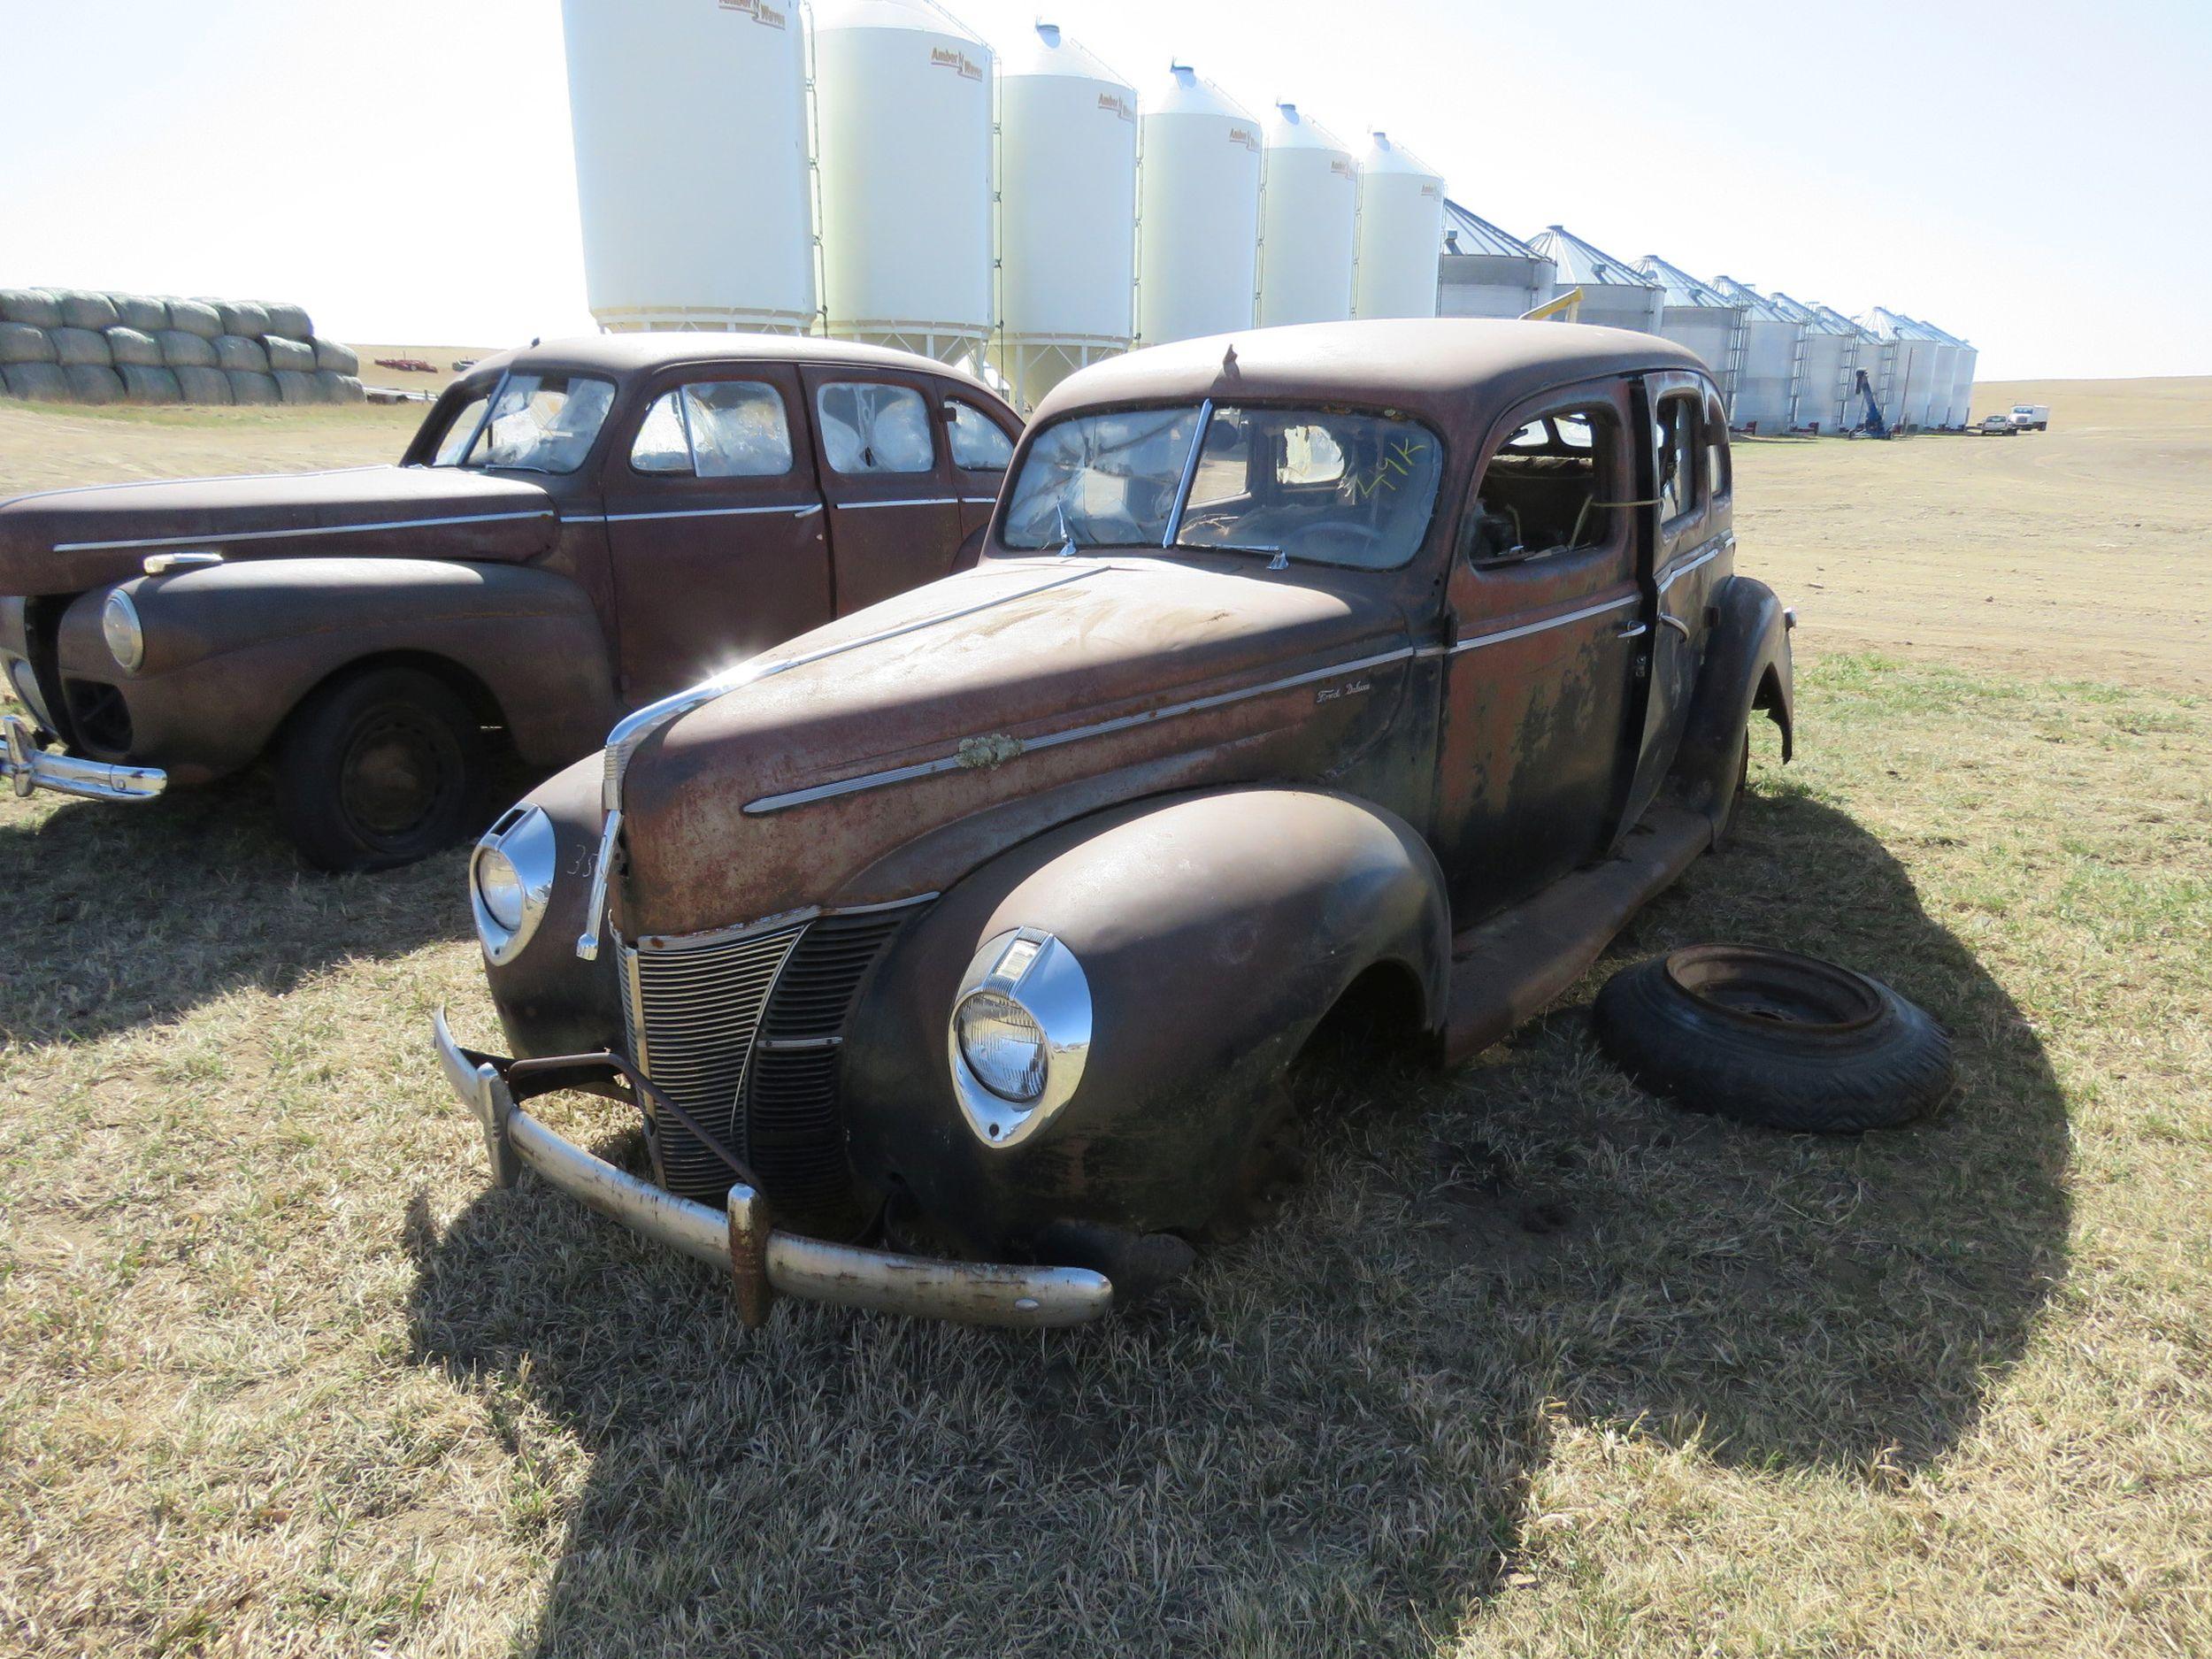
[[2031, 417]]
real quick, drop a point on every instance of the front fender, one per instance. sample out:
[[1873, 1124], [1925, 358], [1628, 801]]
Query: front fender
[[1746, 670], [1215, 931], [232, 648]]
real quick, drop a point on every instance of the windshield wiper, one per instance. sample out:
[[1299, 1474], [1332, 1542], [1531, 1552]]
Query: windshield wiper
[[1277, 558]]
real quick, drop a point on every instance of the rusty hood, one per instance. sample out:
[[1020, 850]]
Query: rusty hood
[[67, 540], [1049, 686]]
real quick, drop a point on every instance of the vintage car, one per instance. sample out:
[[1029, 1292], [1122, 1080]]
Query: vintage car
[[580, 527], [1381, 666]]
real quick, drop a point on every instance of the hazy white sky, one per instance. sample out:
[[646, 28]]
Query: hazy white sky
[[2033, 176]]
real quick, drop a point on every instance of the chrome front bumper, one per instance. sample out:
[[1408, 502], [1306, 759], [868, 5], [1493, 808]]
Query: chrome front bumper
[[24, 763], [765, 1261]]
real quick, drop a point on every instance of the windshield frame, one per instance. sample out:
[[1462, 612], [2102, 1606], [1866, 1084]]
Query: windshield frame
[[1170, 541], [541, 371]]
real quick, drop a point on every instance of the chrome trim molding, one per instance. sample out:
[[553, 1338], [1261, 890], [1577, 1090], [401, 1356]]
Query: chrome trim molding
[[919, 501], [799, 509], [1053, 740], [334, 529], [1039, 975], [969, 1292], [1704, 556], [162, 564], [30, 768], [1480, 640]]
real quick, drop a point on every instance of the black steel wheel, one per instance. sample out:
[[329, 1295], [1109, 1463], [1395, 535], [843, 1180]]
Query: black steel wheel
[[1773, 1038], [380, 769]]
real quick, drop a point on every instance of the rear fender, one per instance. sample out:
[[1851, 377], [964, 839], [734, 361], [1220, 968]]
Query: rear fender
[[1214, 931], [1747, 671], [230, 650]]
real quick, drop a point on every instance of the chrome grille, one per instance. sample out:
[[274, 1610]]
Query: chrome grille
[[692, 1012]]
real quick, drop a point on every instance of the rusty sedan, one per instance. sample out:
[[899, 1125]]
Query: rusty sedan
[[953, 954]]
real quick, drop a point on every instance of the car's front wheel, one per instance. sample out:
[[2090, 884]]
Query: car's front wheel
[[380, 769]]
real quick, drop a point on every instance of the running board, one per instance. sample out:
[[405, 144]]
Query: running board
[[1507, 969]]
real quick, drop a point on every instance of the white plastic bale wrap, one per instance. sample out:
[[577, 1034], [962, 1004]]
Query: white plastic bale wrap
[[81, 309], [334, 387], [242, 318], [42, 382], [20, 342], [93, 383], [285, 353], [239, 355], [294, 387], [202, 384], [80, 346], [246, 387], [336, 358], [130, 346], [291, 321], [195, 317], [144, 385], [181, 351], [136, 311], [33, 308]]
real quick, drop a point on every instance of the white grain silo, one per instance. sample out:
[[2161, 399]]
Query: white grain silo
[[1822, 402], [1198, 211], [1067, 170], [1615, 293], [903, 119], [1481, 271], [1698, 316], [1400, 224], [1911, 377], [1947, 351], [1962, 382], [1769, 374], [1873, 355], [1308, 220], [689, 123]]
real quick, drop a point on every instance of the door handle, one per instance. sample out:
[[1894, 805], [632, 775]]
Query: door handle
[[1676, 624], [1631, 631]]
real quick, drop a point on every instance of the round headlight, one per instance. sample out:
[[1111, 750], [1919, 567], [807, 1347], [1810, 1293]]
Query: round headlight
[[499, 884], [1003, 1045], [119, 626]]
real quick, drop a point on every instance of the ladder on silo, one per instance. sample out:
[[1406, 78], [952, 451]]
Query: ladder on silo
[[1797, 381], [1739, 346]]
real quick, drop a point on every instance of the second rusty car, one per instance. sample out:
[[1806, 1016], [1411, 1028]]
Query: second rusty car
[[1385, 666], [579, 527]]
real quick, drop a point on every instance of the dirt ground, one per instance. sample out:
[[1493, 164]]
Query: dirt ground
[[1530, 1364], [2084, 552]]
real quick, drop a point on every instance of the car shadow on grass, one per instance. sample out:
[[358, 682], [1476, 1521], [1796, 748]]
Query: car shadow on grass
[[1330, 1439], [123, 915]]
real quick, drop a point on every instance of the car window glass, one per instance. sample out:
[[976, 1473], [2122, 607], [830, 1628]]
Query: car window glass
[[543, 422], [1717, 477], [977, 443], [1325, 487], [1676, 435], [739, 429], [869, 427], [660, 446], [1101, 480], [1553, 487], [454, 442]]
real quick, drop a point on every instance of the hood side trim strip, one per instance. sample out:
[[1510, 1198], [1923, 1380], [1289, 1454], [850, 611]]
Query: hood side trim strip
[[1053, 740], [219, 536]]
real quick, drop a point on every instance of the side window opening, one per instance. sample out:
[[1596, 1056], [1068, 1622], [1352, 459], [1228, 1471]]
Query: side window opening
[[871, 427], [454, 440], [1677, 438], [715, 429], [978, 445], [1553, 487], [1718, 480]]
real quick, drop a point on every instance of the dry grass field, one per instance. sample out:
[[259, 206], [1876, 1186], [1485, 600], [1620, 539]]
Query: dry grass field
[[1530, 1364]]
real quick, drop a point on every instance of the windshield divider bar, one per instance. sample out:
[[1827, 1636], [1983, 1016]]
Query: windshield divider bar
[[1190, 474], [484, 420]]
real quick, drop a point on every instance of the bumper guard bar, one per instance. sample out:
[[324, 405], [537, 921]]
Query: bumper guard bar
[[30, 766], [764, 1260]]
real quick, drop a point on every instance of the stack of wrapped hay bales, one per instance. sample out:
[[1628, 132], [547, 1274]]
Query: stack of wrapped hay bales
[[67, 346]]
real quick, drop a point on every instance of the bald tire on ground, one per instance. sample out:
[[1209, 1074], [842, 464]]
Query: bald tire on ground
[[378, 769], [1810, 1061]]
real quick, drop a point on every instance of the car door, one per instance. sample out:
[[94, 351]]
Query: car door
[[980, 444], [714, 525], [893, 513], [1544, 650], [1686, 534]]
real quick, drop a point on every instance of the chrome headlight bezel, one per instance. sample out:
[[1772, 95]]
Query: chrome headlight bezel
[[524, 837], [123, 631], [1036, 971]]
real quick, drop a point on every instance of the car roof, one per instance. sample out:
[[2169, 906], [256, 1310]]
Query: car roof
[[629, 353], [1457, 372]]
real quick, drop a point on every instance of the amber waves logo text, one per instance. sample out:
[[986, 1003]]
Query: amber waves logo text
[[959, 62], [1118, 104], [759, 11], [1246, 137]]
